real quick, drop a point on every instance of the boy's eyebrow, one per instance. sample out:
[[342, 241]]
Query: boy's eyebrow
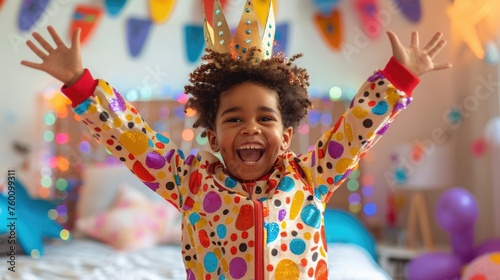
[[237, 108]]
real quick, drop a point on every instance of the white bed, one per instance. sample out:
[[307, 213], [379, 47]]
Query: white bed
[[88, 259]]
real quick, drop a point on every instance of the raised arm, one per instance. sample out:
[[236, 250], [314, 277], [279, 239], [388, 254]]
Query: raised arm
[[113, 121], [378, 101], [61, 62]]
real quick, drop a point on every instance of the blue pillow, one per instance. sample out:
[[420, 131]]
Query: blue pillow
[[343, 227]]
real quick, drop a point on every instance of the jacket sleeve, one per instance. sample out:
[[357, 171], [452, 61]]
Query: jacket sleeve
[[117, 124], [336, 154]]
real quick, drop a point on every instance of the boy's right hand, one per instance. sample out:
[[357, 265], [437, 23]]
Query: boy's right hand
[[61, 62]]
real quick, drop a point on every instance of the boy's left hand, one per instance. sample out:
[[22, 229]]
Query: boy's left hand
[[418, 61]]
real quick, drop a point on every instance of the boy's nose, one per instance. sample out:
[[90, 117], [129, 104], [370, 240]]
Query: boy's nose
[[251, 129]]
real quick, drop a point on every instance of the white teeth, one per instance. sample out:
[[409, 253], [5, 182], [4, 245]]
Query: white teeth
[[251, 146]]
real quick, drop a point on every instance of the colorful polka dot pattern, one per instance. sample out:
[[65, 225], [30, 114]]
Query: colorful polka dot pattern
[[219, 220]]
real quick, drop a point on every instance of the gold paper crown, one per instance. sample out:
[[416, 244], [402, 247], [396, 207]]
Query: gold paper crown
[[220, 39]]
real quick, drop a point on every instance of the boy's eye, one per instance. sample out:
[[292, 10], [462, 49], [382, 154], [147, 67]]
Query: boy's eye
[[233, 120], [266, 119]]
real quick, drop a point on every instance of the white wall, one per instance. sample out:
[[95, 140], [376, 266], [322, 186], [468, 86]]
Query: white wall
[[107, 57]]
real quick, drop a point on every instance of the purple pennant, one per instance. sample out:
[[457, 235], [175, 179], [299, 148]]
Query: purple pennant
[[137, 34], [30, 13], [411, 9]]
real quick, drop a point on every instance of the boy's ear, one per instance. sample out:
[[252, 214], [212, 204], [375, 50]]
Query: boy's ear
[[212, 140], [287, 139]]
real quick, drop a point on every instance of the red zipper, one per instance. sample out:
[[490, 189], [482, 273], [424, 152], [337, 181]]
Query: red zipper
[[259, 241], [259, 232]]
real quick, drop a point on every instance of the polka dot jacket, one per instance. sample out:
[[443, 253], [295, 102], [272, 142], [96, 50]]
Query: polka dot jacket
[[270, 228]]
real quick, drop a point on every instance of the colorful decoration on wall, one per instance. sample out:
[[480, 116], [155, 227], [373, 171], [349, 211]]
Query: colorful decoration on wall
[[30, 12], [368, 13], [86, 18], [411, 9], [281, 37], [114, 7], [209, 8], [160, 10], [330, 27], [325, 7], [464, 16], [32, 220], [1, 3], [137, 34], [194, 41], [261, 9]]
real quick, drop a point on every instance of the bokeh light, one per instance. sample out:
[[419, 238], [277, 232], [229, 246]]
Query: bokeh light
[[370, 209]]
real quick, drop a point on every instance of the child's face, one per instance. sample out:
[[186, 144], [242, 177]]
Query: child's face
[[249, 131]]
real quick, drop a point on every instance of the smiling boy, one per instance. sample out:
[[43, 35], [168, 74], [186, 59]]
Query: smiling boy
[[258, 212]]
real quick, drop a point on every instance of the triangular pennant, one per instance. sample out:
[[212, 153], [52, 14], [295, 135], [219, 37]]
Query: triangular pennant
[[368, 12], [30, 13], [262, 9], [1, 3], [160, 10], [325, 6], [137, 33], [86, 18], [209, 8], [281, 37], [114, 7], [330, 27], [410, 9], [195, 41]]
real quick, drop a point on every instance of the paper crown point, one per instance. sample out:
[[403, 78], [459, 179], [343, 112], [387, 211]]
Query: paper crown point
[[247, 37]]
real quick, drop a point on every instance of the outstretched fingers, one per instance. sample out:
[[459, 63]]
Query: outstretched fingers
[[434, 45], [55, 37], [34, 48], [415, 41], [42, 42]]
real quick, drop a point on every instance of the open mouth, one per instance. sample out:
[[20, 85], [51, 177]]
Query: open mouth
[[250, 153]]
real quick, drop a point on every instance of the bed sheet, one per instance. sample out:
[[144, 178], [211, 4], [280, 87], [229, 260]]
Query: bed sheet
[[88, 259]]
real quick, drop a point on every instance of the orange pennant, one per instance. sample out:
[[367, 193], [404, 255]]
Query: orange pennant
[[86, 18], [330, 28]]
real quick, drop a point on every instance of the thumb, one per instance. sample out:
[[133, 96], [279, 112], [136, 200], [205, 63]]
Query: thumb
[[75, 39], [395, 43]]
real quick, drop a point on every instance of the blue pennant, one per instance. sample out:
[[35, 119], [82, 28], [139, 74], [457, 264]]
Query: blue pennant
[[195, 42], [114, 7]]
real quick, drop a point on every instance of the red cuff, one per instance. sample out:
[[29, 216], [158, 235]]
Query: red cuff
[[400, 77], [81, 90]]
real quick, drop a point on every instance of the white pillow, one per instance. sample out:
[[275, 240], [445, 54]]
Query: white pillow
[[100, 187]]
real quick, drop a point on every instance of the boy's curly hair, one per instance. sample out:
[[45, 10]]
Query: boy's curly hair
[[221, 72]]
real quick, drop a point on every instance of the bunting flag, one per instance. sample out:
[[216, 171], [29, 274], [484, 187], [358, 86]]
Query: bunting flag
[[137, 34], [330, 28], [325, 7], [368, 12], [114, 7], [262, 9], [86, 18], [209, 8], [1, 3], [160, 10], [195, 42], [281, 36], [30, 13], [410, 9]]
